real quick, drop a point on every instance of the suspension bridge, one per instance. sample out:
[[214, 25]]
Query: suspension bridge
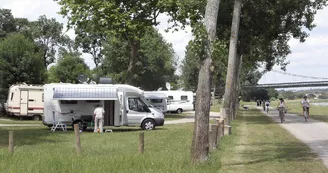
[[320, 82]]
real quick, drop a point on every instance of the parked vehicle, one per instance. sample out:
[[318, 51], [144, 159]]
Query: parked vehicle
[[158, 100], [124, 105], [25, 101], [178, 101]]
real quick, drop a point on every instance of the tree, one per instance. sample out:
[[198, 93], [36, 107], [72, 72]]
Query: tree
[[273, 94], [69, 67], [19, 62], [47, 33], [127, 20], [199, 147], [155, 65], [7, 23]]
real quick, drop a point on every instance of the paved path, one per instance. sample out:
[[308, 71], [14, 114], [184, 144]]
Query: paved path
[[191, 118], [313, 133]]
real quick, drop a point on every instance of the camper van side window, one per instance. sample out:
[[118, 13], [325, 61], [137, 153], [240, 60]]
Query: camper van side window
[[156, 100], [184, 97], [12, 96], [93, 101], [42, 97], [68, 101], [170, 97]]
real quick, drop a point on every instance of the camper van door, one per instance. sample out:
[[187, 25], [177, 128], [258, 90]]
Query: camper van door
[[123, 111], [23, 102]]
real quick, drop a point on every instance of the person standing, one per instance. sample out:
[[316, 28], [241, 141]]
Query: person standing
[[99, 118]]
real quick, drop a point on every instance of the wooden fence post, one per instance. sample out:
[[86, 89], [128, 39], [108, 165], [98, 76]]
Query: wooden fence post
[[141, 142], [213, 135], [11, 142], [77, 139]]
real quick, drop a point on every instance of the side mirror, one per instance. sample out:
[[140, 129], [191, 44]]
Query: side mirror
[[145, 108], [127, 111]]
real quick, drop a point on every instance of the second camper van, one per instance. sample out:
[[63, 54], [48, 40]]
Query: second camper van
[[25, 101], [124, 105]]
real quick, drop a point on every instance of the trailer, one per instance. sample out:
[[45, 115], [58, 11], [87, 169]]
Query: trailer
[[178, 101], [158, 100], [124, 105], [25, 101]]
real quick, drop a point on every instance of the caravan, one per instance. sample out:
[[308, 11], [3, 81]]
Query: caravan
[[124, 105], [158, 100], [178, 101], [25, 101]]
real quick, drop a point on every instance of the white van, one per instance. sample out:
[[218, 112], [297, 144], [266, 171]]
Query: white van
[[25, 101], [158, 100], [124, 105], [178, 101]]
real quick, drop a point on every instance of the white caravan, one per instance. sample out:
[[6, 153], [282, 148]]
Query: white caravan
[[178, 101], [25, 101], [124, 105], [158, 100]]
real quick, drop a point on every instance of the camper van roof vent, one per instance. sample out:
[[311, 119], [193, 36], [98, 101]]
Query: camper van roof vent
[[105, 80]]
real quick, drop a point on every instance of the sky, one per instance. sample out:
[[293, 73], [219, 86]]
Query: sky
[[306, 59]]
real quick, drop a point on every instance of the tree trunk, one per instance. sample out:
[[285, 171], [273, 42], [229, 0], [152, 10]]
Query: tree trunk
[[200, 142], [238, 84], [135, 46], [235, 92], [229, 87]]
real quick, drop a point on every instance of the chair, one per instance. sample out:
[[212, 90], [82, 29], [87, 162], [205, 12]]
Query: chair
[[57, 124]]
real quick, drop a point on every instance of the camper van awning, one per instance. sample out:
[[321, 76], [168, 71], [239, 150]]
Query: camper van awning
[[106, 93]]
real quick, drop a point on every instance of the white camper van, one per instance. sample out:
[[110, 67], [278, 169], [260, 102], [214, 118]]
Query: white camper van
[[124, 105], [25, 101], [178, 101], [158, 100]]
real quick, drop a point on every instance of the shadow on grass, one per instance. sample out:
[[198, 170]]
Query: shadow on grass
[[280, 152], [27, 136]]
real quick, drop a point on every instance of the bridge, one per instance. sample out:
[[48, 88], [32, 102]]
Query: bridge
[[288, 85], [320, 82]]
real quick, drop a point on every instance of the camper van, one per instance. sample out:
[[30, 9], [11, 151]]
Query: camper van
[[124, 105], [158, 100], [178, 101], [25, 101]]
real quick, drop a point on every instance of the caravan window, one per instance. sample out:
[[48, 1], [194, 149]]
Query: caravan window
[[136, 104], [170, 97], [156, 100], [68, 101], [12, 96], [184, 97], [42, 97]]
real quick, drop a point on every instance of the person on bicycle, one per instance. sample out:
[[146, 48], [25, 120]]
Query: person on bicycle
[[282, 108], [306, 106]]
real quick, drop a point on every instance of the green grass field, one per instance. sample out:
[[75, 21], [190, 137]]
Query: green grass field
[[169, 117], [257, 145]]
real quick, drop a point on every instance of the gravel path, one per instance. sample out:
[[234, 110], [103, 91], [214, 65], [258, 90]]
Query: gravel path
[[313, 133], [191, 118]]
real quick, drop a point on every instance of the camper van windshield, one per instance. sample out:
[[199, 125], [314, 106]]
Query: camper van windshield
[[146, 102]]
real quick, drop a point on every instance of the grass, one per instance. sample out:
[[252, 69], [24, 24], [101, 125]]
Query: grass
[[17, 121], [216, 106], [257, 145]]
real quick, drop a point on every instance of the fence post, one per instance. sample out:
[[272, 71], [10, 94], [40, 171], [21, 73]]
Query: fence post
[[221, 128], [77, 139], [213, 134], [141, 142], [11, 142]]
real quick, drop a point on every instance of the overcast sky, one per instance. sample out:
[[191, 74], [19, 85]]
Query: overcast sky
[[306, 59]]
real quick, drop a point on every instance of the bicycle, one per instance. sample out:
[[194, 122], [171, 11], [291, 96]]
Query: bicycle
[[306, 113], [281, 114]]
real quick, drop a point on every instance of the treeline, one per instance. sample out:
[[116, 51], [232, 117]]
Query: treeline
[[27, 48]]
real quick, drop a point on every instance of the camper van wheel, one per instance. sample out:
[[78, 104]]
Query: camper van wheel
[[36, 117], [148, 124], [179, 111]]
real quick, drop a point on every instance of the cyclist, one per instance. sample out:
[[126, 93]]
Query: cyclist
[[306, 106], [267, 104], [282, 108]]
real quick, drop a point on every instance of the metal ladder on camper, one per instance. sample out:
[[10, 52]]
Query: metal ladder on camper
[[57, 124]]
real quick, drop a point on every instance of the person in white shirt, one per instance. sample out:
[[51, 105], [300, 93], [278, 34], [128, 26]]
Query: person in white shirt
[[282, 108], [306, 105], [99, 118]]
